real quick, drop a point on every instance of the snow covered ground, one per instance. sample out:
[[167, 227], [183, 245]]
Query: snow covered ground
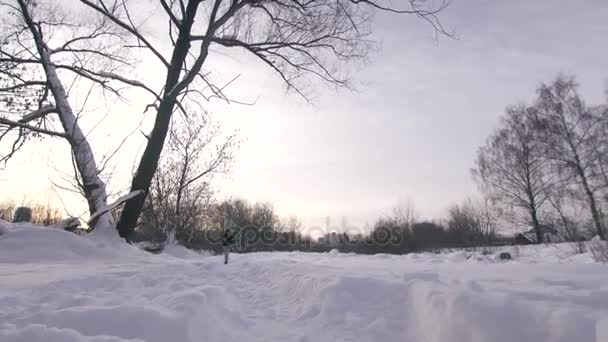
[[56, 286]]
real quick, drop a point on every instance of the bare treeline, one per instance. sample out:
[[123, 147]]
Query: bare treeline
[[470, 224], [259, 227]]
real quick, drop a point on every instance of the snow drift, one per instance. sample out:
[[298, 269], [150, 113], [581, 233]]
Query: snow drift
[[27, 243], [73, 288]]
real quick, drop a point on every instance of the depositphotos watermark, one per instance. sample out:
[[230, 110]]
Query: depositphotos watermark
[[254, 235]]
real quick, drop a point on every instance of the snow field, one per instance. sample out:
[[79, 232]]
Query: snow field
[[56, 286]]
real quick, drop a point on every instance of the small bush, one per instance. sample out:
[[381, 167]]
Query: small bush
[[505, 256], [23, 214], [599, 251], [6, 211]]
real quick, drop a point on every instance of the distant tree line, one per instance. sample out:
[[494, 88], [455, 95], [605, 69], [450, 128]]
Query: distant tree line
[[257, 225], [259, 228]]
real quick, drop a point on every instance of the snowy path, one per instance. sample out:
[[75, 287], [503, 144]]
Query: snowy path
[[302, 297]]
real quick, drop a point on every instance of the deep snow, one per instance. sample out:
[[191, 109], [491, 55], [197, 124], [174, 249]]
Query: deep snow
[[56, 286]]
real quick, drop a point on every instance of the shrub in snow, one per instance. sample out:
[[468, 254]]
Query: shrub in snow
[[579, 247], [487, 251], [599, 250], [71, 224], [23, 214], [505, 256], [150, 246], [6, 211]]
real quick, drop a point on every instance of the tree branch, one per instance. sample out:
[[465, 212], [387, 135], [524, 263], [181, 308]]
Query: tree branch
[[103, 10], [37, 114], [12, 124]]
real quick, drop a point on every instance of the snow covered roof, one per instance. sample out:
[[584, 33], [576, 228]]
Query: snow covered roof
[[530, 234]]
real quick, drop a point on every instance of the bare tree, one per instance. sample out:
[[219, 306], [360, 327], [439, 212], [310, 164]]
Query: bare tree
[[488, 215], [570, 133], [292, 224], [512, 165], [181, 193], [298, 39], [46, 54], [6, 211], [474, 222], [405, 213]]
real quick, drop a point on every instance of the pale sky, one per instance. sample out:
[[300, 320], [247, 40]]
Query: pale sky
[[411, 130]]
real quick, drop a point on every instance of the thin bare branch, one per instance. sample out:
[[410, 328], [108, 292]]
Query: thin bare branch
[[11, 124]]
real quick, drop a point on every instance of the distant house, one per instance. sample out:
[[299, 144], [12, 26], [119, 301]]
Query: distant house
[[549, 234]]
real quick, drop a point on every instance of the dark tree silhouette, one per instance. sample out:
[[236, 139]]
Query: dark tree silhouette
[[572, 134], [512, 165]]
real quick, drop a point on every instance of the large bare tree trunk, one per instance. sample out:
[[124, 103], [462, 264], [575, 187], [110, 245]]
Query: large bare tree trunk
[[149, 160], [146, 169], [93, 187], [533, 202], [536, 224]]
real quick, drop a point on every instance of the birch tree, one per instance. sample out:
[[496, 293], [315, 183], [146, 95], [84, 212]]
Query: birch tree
[[571, 133], [512, 165], [45, 53]]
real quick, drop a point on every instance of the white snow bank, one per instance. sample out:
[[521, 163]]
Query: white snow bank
[[181, 252], [530, 254], [4, 227], [28, 243]]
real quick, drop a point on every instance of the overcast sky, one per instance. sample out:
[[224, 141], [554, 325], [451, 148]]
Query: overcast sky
[[412, 128]]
